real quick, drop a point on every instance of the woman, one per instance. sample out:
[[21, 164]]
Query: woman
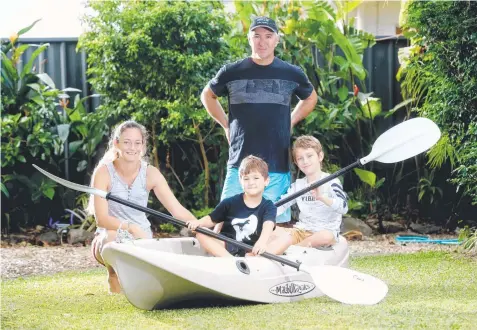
[[124, 172]]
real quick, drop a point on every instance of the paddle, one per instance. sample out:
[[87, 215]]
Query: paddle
[[342, 284], [398, 143]]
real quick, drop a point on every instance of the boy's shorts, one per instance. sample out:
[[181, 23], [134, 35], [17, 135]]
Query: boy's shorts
[[235, 250], [298, 235], [278, 186]]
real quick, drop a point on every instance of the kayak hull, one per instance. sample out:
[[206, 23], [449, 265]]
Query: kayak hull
[[157, 273]]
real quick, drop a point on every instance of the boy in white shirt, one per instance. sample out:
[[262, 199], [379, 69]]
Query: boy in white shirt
[[321, 209]]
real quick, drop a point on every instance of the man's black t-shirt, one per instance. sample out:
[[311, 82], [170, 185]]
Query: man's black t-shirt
[[259, 108], [241, 222]]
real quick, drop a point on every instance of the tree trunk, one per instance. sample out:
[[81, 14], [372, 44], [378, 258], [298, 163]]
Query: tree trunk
[[154, 145], [206, 164]]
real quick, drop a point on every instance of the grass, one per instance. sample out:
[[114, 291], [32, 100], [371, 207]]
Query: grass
[[426, 290]]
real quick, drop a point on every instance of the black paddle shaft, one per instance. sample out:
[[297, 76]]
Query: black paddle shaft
[[318, 183], [201, 230]]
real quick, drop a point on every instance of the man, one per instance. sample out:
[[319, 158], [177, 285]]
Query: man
[[259, 90]]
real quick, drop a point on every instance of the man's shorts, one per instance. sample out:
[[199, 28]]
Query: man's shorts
[[298, 235], [278, 186]]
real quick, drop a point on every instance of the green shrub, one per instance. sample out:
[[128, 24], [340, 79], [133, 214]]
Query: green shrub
[[36, 124], [440, 74], [150, 61]]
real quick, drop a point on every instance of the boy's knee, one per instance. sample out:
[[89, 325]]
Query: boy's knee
[[327, 238], [201, 237], [286, 237]]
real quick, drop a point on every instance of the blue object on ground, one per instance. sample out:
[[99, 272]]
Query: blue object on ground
[[426, 239]]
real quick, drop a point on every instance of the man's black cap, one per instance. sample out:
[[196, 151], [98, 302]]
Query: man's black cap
[[264, 22]]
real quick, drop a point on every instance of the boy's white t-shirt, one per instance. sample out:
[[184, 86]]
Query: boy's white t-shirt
[[314, 214]]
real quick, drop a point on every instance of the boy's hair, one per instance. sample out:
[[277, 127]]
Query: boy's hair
[[252, 163], [306, 142]]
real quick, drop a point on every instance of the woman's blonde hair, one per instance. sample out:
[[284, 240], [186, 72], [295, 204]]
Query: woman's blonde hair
[[112, 153]]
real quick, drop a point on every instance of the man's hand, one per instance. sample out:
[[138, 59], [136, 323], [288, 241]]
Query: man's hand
[[227, 134]]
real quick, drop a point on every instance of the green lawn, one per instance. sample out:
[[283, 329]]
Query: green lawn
[[426, 290]]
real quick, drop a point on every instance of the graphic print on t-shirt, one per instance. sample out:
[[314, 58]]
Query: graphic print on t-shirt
[[272, 91], [245, 227]]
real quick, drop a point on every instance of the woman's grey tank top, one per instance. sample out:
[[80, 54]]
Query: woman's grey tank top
[[136, 193]]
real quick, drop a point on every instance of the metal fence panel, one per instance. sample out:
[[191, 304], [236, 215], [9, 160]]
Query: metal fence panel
[[381, 62], [63, 64], [68, 68]]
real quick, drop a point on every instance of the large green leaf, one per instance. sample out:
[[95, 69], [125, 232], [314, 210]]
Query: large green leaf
[[63, 131], [398, 106], [73, 115], [371, 107], [343, 93], [46, 79], [346, 7], [49, 192], [8, 69], [29, 65], [38, 100], [73, 146], [71, 89], [20, 50], [28, 28], [349, 50], [366, 176], [4, 190]]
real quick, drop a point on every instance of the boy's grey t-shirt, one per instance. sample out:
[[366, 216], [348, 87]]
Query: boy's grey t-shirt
[[259, 108], [314, 214]]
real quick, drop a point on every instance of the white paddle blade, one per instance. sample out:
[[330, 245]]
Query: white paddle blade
[[404, 141], [348, 286], [72, 185]]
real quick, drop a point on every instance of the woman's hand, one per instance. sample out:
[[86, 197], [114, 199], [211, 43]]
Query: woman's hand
[[137, 231]]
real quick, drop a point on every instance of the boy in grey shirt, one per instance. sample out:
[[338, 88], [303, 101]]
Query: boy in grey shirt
[[321, 209]]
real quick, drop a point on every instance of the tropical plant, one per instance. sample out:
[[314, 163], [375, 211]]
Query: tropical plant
[[323, 41], [150, 61], [34, 130], [439, 73], [469, 238]]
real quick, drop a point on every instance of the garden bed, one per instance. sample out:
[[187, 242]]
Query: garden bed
[[21, 260]]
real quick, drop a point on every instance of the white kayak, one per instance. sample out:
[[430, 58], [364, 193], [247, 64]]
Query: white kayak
[[156, 273]]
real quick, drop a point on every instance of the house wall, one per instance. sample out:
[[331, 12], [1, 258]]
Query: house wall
[[59, 18], [380, 18]]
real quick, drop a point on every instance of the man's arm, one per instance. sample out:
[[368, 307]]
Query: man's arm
[[304, 108], [215, 110]]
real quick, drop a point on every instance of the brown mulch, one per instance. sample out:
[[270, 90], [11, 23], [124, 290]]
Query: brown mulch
[[34, 260]]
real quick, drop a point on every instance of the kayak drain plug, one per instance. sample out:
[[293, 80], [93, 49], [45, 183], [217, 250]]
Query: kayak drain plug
[[243, 267]]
